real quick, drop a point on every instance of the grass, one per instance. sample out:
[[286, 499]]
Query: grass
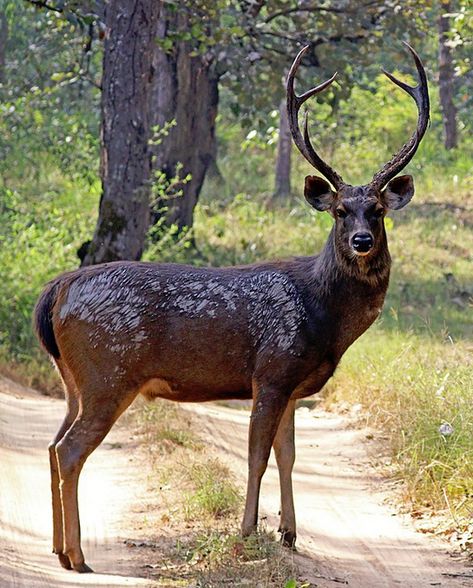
[[166, 429], [213, 494], [227, 559], [197, 511], [411, 387]]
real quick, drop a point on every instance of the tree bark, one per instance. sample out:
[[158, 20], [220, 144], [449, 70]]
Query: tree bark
[[446, 79], [3, 44], [125, 130], [185, 91], [283, 161]]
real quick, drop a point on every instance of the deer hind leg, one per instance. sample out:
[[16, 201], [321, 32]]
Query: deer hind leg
[[71, 414], [94, 421], [269, 404], [284, 450]]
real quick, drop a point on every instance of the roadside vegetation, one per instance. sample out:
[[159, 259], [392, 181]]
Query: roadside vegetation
[[192, 532]]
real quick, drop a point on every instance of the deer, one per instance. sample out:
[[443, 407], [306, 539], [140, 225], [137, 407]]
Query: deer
[[273, 332]]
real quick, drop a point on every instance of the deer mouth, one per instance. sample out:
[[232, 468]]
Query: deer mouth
[[361, 253]]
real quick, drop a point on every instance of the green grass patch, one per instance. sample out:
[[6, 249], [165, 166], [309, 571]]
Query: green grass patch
[[166, 427], [213, 492], [223, 558]]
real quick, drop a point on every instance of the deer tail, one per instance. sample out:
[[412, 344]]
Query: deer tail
[[42, 317]]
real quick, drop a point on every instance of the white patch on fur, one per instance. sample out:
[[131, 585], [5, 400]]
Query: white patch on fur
[[124, 302]]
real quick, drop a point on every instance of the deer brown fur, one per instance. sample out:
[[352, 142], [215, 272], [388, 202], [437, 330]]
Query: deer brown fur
[[273, 332]]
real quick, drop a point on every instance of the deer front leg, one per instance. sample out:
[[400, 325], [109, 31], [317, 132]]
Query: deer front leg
[[269, 404], [284, 450]]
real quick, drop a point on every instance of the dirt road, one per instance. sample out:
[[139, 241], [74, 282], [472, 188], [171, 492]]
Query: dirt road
[[108, 487], [346, 534]]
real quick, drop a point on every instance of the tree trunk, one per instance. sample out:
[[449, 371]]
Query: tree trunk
[[283, 161], [3, 44], [446, 79], [185, 91], [125, 158]]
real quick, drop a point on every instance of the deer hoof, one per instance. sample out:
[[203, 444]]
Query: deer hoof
[[83, 568], [64, 561]]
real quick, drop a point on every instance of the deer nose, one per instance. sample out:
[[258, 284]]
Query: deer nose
[[362, 242]]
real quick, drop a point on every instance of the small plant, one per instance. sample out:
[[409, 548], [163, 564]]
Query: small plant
[[223, 557], [162, 423], [166, 241], [214, 494]]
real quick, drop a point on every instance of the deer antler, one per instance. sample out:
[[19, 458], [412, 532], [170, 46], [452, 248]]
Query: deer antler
[[294, 102], [420, 93]]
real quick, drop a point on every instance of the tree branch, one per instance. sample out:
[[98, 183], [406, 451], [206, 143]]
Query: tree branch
[[312, 9], [44, 4], [271, 17]]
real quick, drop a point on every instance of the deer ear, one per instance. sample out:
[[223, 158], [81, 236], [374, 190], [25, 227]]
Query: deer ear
[[398, 192], [318, 193]]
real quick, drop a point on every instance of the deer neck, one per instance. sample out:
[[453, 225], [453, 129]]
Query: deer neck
[[334, 271]]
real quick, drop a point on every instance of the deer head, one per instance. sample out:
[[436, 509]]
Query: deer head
[[358, 210]]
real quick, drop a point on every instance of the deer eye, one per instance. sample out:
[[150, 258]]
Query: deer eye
[[341, 212], [378, 212]]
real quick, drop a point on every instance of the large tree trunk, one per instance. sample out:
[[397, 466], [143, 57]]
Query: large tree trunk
[[283, 162], [125, 159], [446, 78], [185, 91]]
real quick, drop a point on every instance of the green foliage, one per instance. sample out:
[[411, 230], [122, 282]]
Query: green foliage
[[48, 168], [41, 229], [213, 494], [461, 44], [163, 426], [164, 241], [49, 100]]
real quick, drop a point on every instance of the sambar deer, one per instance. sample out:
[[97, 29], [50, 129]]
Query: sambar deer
[[273, 331]]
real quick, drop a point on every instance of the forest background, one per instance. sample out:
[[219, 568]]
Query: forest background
[[157, 130]]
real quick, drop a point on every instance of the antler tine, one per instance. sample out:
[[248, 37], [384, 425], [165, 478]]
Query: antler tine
[[420, 93], [294, 102]]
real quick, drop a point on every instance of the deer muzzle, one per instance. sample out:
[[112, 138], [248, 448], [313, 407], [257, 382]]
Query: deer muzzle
[[362, 243]]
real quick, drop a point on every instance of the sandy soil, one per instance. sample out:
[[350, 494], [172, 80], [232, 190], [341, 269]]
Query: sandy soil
[[110, 483], [347, 535]]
